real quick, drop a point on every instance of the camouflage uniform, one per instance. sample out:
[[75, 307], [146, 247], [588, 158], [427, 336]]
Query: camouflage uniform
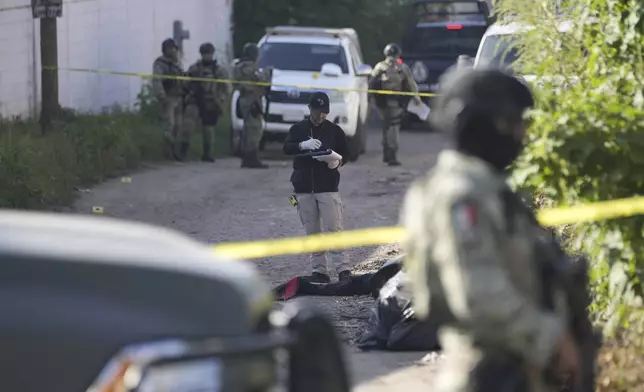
[[474, 251], [391, 75], [250, 104], [170, 95], [207, 101]]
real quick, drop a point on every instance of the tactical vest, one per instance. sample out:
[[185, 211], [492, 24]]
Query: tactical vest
[[170, 85], [391, 78]]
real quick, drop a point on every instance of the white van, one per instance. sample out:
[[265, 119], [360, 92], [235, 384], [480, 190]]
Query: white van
[[498, 48], [308, 59]]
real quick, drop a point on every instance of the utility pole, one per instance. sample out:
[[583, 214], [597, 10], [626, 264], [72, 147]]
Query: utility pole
[[48, 11]]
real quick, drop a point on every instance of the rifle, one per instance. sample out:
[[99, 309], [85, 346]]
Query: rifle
[[267, 94], [570, 275], [563, 273]]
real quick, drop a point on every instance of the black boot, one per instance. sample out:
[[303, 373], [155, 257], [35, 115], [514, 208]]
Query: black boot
[[386, 155], [206, 156], [392, 159], [252, 161], [181, 155]]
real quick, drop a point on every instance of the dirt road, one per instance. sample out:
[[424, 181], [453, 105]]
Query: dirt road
[[220, 202]]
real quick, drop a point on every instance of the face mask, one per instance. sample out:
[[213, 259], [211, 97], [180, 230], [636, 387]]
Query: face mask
[[488, 144]]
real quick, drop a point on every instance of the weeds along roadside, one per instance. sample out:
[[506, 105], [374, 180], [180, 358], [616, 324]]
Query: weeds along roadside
[[42, 171]]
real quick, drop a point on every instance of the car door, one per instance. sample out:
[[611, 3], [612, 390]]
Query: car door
[[361, 83]]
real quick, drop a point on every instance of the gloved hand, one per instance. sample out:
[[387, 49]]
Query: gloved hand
[[311, 144], [417, 100], [333, 160]]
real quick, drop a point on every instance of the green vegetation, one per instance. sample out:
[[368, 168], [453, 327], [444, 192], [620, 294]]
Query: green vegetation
[[586, 145], [39, 171], [377, 22]]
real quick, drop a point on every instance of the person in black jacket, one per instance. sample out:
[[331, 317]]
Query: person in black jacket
[[315, 180]]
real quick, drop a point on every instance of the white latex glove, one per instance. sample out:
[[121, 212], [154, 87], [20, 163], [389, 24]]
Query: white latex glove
[[311, 144]]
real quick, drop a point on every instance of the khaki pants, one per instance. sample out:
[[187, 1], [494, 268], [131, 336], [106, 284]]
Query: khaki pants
[[391, 120], [316, 209], [173, 129]]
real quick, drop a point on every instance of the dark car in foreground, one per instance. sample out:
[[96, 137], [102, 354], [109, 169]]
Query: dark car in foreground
[[96, 304]]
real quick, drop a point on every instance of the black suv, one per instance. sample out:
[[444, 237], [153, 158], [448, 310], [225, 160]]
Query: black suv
[[439, 31]]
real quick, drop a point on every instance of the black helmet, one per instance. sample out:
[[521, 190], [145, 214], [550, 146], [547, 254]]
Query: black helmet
[[250, 51], [392, 50], [490, 93], [167, 44], [207, 48], [481, 108]]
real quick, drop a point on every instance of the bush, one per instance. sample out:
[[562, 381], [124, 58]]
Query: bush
[[41, 171], [585, 146]]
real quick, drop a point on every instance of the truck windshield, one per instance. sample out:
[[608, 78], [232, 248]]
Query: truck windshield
[[499, 51], [292, 56], [451, 40]]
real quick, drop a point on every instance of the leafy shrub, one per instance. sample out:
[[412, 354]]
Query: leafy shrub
[[586, 145], [42, 171]]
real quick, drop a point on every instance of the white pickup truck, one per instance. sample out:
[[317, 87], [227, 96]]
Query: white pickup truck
[[308, 59]]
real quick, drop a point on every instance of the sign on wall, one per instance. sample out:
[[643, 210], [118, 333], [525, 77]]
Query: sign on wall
[[47, 8]]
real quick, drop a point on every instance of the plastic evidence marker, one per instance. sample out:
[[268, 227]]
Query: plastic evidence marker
[[96, 210]]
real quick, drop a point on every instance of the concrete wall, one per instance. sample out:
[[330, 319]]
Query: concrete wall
[[18, 79], [117, 35]]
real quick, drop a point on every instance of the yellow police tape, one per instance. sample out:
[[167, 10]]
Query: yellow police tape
[[389, 235], [213, 80]]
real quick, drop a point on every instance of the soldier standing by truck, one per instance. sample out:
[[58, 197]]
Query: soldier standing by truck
[[207, 99], [391, 75], [250, 103], [169, 92]]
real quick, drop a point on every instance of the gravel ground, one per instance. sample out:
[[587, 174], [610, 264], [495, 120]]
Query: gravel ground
[[220, 202]]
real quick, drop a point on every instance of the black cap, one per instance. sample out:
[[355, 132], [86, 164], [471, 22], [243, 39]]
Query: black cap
[[167, 44], [320, 101]]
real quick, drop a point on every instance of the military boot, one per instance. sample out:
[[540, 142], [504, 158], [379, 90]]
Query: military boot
[[254, 162], [393, 161], [386, 155], [182, 154], [206, 156]]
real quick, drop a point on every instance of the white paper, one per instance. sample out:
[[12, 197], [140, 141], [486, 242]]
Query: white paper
[[419, 109], [334, 156]]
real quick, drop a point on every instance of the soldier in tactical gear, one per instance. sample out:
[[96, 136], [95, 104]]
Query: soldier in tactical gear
[[250, 104], [393, 75], [169, 92], [207, 100], [474, 249]]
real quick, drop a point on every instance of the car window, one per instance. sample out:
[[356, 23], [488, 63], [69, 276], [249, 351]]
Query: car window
[[291, 56], [444, 40], [450, 11], [499, 51]]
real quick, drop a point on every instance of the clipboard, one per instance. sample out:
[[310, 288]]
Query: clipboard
[[314, 154]]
